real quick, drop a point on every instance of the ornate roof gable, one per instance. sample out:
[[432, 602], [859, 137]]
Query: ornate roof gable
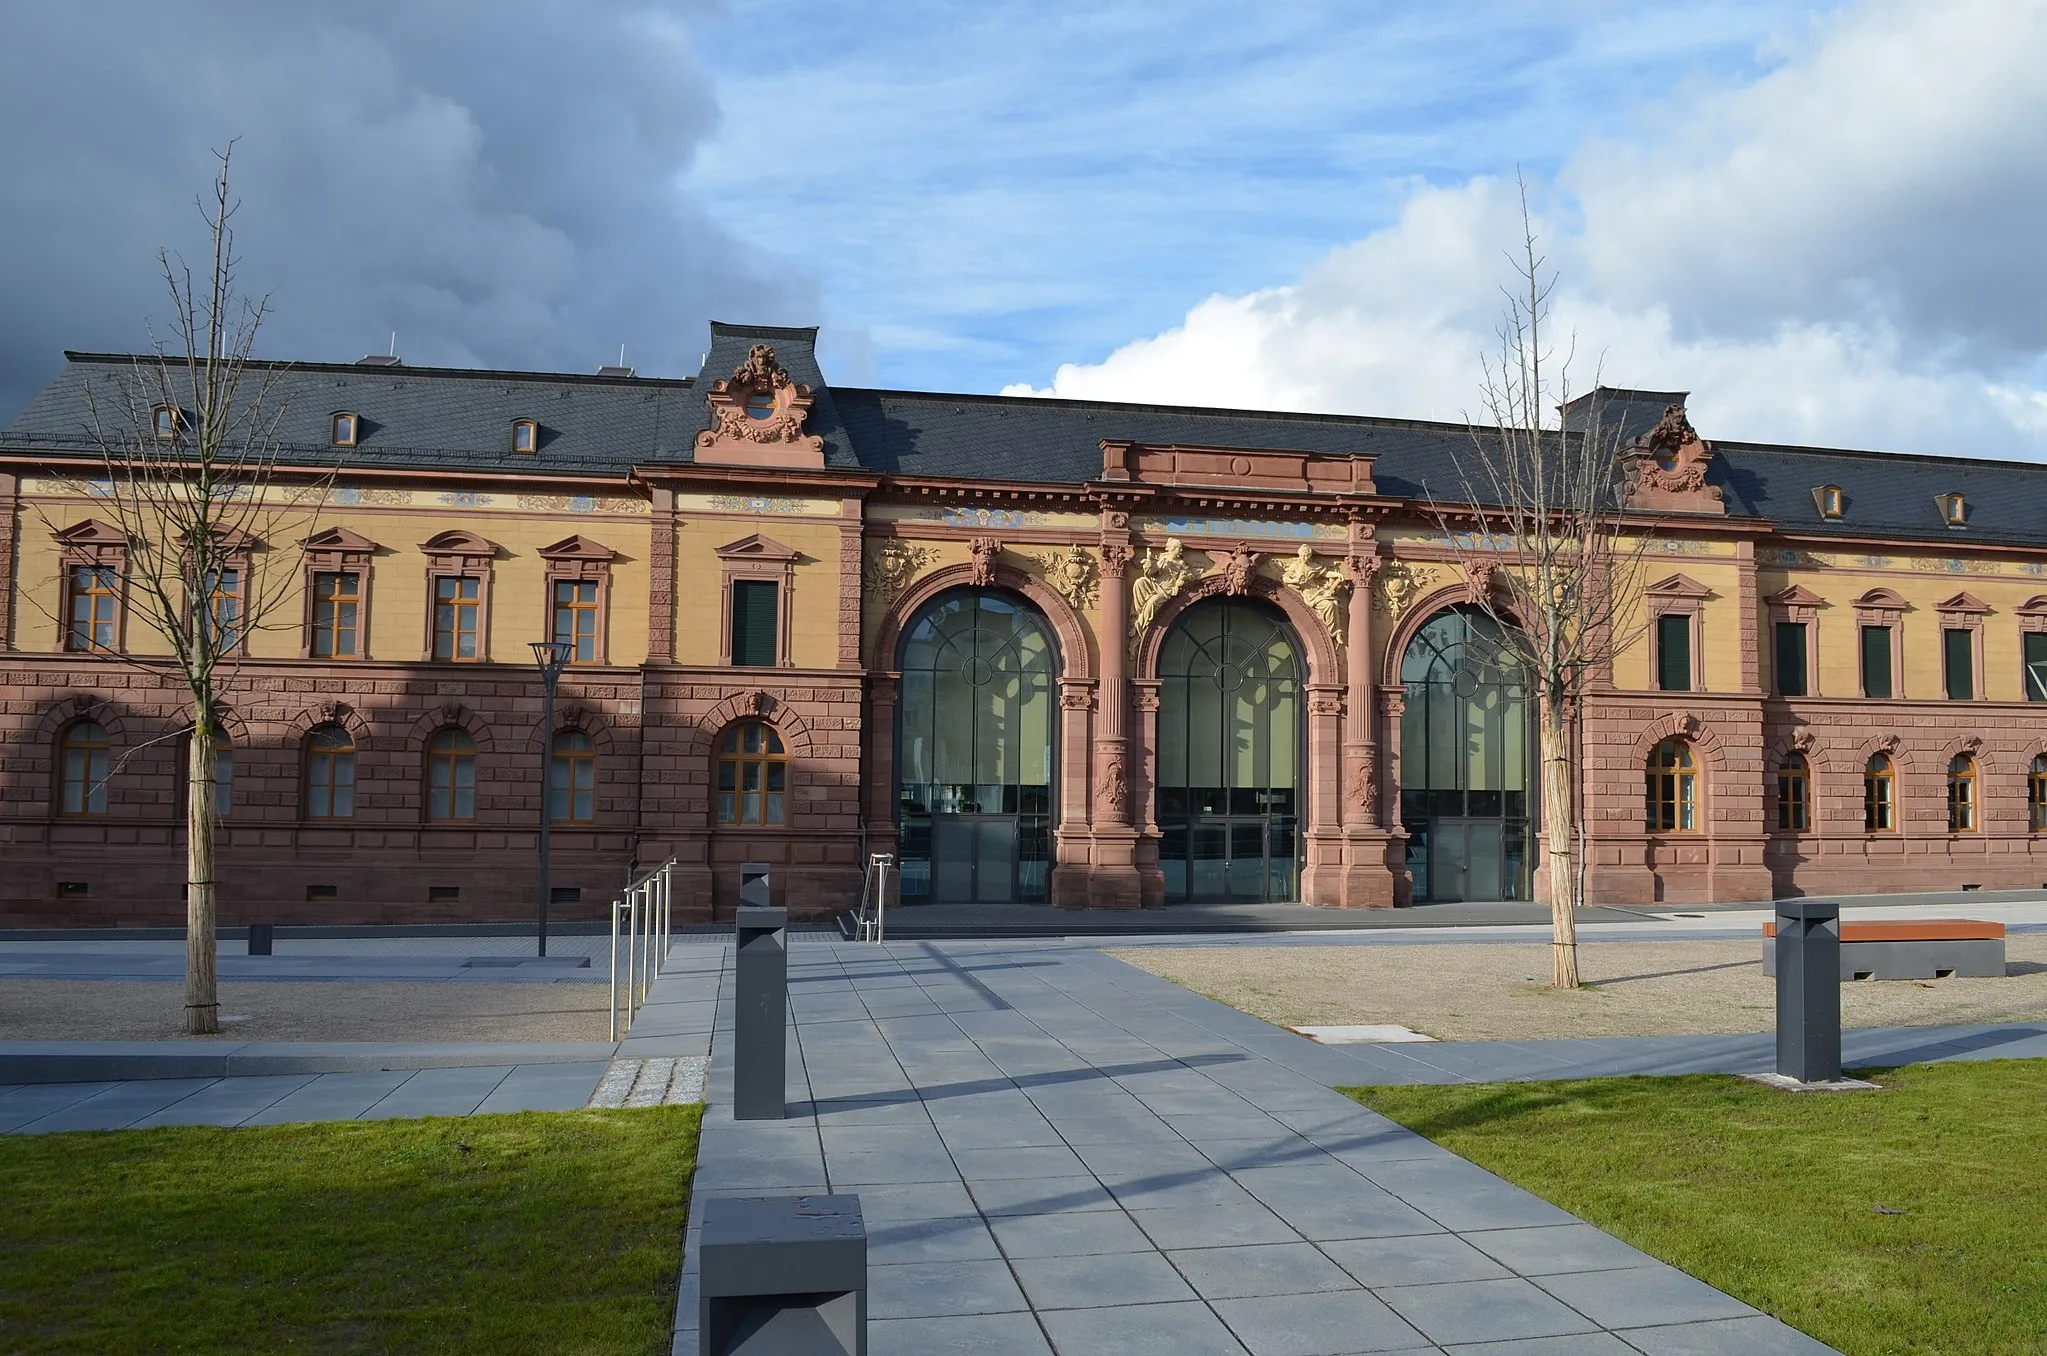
[[757, 418], [1666, 468]]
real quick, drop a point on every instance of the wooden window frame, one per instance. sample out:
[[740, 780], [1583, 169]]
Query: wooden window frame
[[59, 770], [1953, 508], [431, 756], [1962, 773], [1964, 612], [1881, 607], [92, 544], [1794, 767], [768, 757], [1683, 774], [1887, 777], [577, 559], [306, 784], [531, 428], [760, 558], [2032, 615], [2036, 794], [354, 438], [555, 756], [1798, 606], [338, 551], [1829, 500], [459, 554], [156, 422]]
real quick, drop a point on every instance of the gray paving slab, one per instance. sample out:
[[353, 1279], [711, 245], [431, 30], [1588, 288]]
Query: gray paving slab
[[544, 1087], [1757, 1336], [331, 1097], [117, 1107], [227, 1101], [1051, 1146]]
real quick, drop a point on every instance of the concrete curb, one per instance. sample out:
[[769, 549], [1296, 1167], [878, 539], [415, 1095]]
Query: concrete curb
[[126, 1061]]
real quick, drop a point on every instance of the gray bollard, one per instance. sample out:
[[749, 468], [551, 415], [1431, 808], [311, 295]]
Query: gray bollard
[[760, 1084], [782, 1275], [1808, 990], [259, 938]]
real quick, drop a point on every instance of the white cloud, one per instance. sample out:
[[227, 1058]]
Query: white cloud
[[1844, 250]]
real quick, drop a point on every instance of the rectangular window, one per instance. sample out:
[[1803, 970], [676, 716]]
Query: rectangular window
[[754, 633], [224, 610], [1791, 659], [2036, 666], [1674, 653], [456, 605], [1957, 651], [575, 618], [1876, 661], [93, 590], [337, 598]]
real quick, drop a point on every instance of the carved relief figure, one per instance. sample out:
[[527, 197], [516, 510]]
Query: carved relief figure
[[1478, 581], [759, 404], [891, 566], [1402, 584], [1071, 573], [1364, 785], [1321, 587], [1237, 568], [1667, 466], [985, 550], [1112, 797], [1164, 573]]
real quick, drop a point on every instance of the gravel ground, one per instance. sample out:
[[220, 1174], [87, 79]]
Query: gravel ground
[[118, 1010], [1501, 992]]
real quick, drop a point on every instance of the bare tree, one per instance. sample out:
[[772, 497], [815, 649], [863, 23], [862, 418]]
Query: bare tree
[[185, 464], [1549, 553]]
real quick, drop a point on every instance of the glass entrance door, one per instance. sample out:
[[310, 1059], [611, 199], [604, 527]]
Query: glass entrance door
[[1228, 754], [974, 753], [1465, 757]]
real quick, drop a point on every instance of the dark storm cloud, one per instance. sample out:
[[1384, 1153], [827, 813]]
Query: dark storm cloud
[[494, 181]]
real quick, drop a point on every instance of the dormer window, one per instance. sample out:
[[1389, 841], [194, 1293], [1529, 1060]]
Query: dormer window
[[167, 420], [525, 437], [1828, 498], [1953, 510], [346, 429]]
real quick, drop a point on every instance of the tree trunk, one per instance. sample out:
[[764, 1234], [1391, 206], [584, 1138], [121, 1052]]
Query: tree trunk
[[202, 988], [1559, 822]]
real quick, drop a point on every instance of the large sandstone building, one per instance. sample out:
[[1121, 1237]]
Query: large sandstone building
[[1047, 652]]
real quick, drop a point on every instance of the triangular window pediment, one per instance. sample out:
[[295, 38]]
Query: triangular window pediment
[[757, 547], [92, 532], [338, 539], [1798, 595], [1678, 586], [1962, 602], [577, 547]]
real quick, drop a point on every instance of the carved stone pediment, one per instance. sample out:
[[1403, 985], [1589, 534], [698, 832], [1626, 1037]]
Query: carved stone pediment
[[757, 418], [757, 547], [1666, 469], [577, 547]]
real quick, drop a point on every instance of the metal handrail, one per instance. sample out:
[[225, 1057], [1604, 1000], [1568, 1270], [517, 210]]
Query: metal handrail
[[647, 908], [874, 888]]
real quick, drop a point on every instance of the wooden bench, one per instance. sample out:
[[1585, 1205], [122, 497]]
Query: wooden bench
[[1913, 949]]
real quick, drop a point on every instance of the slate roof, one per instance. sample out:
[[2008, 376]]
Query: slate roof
[[447, 418]]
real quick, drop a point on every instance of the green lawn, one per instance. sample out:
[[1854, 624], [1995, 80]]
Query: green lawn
[[556, 1233], [1911, 1220]]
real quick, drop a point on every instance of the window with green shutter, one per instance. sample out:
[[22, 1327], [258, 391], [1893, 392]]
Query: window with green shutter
[[1958, 663], [1876, 661], [755, 635], [2036, 666], [1674, 653], [1791, 667]]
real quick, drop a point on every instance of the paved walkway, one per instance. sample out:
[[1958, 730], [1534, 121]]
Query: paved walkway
[[1058, 1153]]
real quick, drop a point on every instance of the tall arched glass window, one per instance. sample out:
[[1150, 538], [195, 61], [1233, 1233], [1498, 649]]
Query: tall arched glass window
[[1229, 753], [451, 777], [1879, 795], [572, 778], [753, 775], [1465, 753], [1961, 794], [974, 737], [330, 773], [1671, 788], [82, 769]]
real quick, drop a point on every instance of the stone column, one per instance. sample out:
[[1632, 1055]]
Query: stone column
[[1392, 706], [1114, 883], [1367, 883]]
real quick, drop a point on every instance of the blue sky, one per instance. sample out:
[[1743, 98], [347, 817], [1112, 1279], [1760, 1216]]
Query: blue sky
[[984, 192], [1820, 218]]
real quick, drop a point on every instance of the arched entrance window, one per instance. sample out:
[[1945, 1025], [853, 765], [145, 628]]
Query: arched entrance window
[[974, 752], [1670, 789], [1879, 801], [1465, 756], [1228, 803]]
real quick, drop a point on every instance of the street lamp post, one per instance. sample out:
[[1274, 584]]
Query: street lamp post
[[551, 656]]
